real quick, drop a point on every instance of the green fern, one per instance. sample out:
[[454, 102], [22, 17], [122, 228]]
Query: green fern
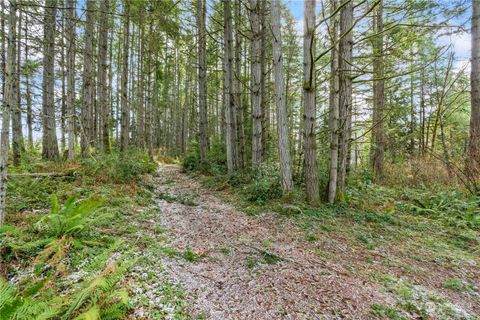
[[72, 220], [15, 306], [100, 291]]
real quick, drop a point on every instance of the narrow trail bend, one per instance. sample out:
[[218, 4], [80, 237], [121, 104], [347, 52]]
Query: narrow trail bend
[[251, 267]]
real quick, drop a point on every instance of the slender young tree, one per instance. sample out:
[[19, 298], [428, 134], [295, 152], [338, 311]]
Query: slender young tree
[[49, 141], [28, 90], [17, 135], [473, 159], [140, 127], [282, 128], [202, 80], [63, 77], [71, 102], [309, 110], [237, 87], [87, 124], [334, 112], [3, 48], [8, 104], [378, 144], [257, 149], [345, 92], [125, 113], [227, 84], [103, 105]]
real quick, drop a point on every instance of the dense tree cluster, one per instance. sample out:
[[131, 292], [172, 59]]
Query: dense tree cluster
[[359, 85]]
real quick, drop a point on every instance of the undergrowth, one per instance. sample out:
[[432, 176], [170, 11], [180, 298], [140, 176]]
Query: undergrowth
[[66, 248]]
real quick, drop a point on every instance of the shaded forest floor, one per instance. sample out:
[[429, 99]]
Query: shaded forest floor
[[309, 265], [148, 243]]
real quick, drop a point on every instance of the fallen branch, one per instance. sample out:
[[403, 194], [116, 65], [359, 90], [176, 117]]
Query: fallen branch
[[41, 174]]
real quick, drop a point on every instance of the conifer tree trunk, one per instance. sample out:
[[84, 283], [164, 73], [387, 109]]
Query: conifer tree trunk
[[103, 107], [2, 48], [237, 87], [8, 104], [49, 141], [140, 91], [473, 153], [309, 112], [378, 143], [263, 77], [149, 106], [28, 92], [125, 117], [334, 112], [256, 77], [282, 128], [345, 92], [17, 136], [202, 80], [227, 83], [63, 75], [87, 122], [71, 101]]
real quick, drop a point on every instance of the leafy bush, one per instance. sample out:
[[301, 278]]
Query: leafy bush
[[191, 161], [216, 160], [265, 185], [118, 168]]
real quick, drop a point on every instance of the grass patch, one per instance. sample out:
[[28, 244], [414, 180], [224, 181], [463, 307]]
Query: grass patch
[[185, 200], [386, 312]]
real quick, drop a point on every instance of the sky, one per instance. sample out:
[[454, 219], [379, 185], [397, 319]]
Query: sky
[[460, 41]]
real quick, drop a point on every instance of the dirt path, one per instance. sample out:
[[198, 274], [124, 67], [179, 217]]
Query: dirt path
[[242, 267]]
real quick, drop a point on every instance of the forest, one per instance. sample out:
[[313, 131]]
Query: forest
[[240, 159]]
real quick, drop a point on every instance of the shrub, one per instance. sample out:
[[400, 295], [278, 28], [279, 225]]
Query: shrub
[[191, 161], [118, 168], [216, 160], [265, 185]]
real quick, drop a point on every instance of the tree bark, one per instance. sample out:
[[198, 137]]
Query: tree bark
[[309, 112], [345, 93], [257, 149], [87, 124], [473, 153], [141, 89], [3, 48], [7, 105], [103, 106], [334, 110], [227, 83], [17, 136], [237, 88], [63, 77], [71, 102], [125, 117], [378, 135], [263, 76], [28, 91], [49, 141], [282, 128], [202, 80]]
